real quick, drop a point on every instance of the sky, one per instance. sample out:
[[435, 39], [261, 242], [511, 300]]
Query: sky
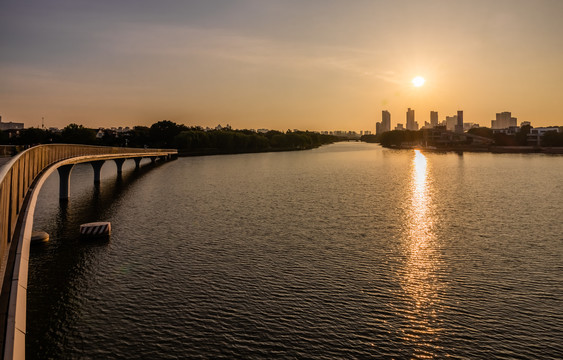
[[278, 64]]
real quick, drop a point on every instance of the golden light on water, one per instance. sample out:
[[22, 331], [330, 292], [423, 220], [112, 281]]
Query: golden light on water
[[420, 281]]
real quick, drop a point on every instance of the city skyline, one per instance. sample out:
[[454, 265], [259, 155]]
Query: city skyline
[[278, 65]]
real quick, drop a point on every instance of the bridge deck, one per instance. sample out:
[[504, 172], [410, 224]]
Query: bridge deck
[[21, 178]]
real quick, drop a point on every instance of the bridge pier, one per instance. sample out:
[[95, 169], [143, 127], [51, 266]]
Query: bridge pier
[[137, 162], [119, 164], [21, 180], [153, 159], [64, 183], [97, 166]]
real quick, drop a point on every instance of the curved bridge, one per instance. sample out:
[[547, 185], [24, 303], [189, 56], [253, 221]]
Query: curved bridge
[[20, 181]]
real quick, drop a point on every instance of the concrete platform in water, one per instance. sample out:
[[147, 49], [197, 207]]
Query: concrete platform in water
[[99, 229]]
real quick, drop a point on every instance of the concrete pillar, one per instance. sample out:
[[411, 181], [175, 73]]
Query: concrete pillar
[[64, 183], [153, 159], [97, 166], [137, 162], [119, 164]]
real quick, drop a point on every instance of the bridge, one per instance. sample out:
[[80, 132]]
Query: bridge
[[21, 179]]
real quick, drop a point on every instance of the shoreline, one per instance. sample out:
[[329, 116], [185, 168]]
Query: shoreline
[[489, 149], [215, 151]]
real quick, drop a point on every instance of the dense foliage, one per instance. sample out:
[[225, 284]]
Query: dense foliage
[[553, 138], [196, 140], [370, 138], [400, 137], [167, 134]]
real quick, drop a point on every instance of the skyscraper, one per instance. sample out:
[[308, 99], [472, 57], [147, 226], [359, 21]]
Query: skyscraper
[[411, 124], [386, 120], [433, 118], [459, 124], [385, 124]]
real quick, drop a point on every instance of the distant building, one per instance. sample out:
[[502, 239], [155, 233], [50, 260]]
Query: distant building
[[451, 122], [536, 134], [504, 120], [467, 126], [10, 125], [399, 127], [433, 118], [439, 136], [385, 124], [511, 130], [459, 123], [411, 124], [525, 123]]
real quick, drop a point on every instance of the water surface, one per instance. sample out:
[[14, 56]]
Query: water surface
[[346, 251]]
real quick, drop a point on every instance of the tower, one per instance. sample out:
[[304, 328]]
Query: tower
[[459, 125], [411, 124], [385, 124], [433, 118]]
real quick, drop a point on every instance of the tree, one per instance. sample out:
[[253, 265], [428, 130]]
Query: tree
[[552, 138], [163, 133], [522, 135], [78, 134], [481, 131]]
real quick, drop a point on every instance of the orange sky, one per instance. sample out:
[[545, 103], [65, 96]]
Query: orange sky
[[316, 65]]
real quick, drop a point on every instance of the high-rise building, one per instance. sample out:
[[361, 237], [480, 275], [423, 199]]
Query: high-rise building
[[386, 120], [385, 124], [433, 118], [504, 120], [459, 123], [411, 124], [451, 122]]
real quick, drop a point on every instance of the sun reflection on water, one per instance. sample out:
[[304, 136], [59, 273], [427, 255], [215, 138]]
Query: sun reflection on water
[[419, 277]]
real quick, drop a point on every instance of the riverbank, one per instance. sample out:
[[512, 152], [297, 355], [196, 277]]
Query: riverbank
[[215, 151], [490, 149]]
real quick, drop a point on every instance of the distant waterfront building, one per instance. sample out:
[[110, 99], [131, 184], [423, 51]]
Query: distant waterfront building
[[433, 118], [385, 124], [459, 123], [511, 130], [525, 123], [10, 125], [451, 122], [411, 124], [536, 134], [399, 127], [386, 120], [467, 126], [504, 120]]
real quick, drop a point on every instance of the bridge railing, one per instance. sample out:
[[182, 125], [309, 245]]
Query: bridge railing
[[18, 175]]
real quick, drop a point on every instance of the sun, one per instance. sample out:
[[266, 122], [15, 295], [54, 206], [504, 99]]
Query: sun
[[418, 81]]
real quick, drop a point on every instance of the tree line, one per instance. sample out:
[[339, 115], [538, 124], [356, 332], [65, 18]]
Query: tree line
[[167, 134]]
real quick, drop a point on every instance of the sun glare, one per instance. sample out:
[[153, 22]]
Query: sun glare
[[418, 81]]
